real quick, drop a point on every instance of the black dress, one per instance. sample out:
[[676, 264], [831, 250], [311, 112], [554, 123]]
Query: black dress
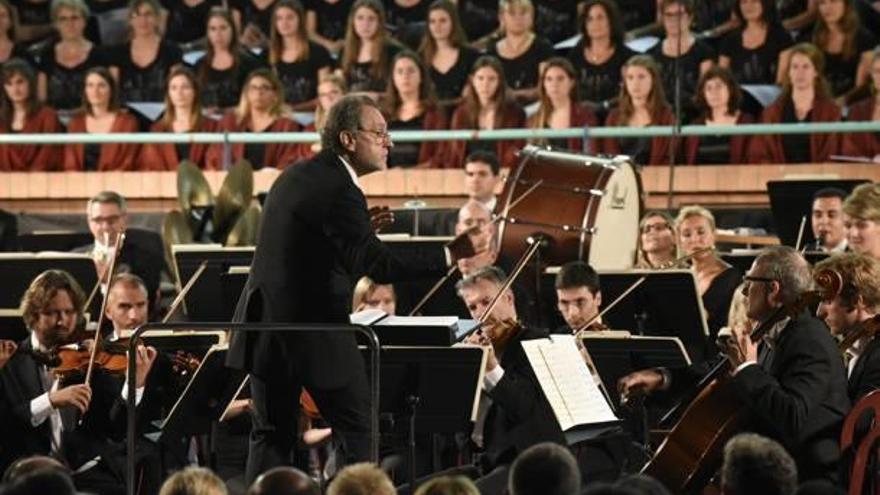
[[250, 14], [688, 69], [407, 23], [405, 154], [187, 24], [757, 65], [65, 84], [599, 82], [522, 72], [637, 13], [450, 84], [713, 150], [717, 299], [478, 17], [138, 83], [300, 78], [795, 146], [360, 79], [222, 88], [556, 20], [839, 71], [331, 17]]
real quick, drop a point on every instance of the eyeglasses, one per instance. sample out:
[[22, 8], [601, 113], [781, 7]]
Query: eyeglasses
[[382, 136], [656, 227], [750, 279], [109, 219]]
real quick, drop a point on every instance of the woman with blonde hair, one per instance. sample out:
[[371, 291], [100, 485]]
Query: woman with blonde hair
[[805, 98], [101, 113], [260, 109], [331, 88], [642, 103], [141, 65], [657, 249], [716, 280], [370, 295], [368, 50], [299, 62], [193, 481], [558, 106], [183, 114]]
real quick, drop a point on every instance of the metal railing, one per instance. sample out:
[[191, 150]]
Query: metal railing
[[131, 402]]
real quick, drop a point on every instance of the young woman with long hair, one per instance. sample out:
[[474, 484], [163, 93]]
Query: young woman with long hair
[[10, 47], [805, 98], [718, 103], [260, 109], [410, 104], [22, 112], [331, 88], [558, 107], [756, 51], [298, 62], [369, 49], [183, 113], [446, 51], [642, 102], [101, 113], [521, 51], [486, 105]]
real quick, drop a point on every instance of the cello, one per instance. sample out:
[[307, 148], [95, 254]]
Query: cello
[[691, 454]]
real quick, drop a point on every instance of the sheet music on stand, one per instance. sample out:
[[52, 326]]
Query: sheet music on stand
[[568, 385]]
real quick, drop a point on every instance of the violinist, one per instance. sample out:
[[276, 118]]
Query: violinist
[[852, 314], [42, 411], [513, 413], [792, 383], [578, 296]]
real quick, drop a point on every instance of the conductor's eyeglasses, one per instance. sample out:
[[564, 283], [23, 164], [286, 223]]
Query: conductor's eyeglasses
[[382, 136]]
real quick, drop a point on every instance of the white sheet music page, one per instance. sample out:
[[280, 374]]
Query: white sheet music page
[[566, 382]]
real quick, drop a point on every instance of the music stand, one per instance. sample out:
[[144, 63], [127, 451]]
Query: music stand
[[791, 200], [54, 240], [204, 399], [667, 304], [202, 300], [12, 325], [440, 331], [742, 259], [19, 269]]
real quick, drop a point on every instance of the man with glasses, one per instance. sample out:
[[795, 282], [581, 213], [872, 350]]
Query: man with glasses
[[792, 383], [316, 241], [107, 216]]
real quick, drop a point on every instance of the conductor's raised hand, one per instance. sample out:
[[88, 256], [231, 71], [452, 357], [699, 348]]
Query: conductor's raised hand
[[7, 349], [380, 217], [469, 243]]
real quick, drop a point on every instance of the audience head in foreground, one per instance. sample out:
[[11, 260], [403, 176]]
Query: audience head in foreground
[[448, 485], [756, 464], [361, 479], [193, 481], [284, 480], [545, 469]]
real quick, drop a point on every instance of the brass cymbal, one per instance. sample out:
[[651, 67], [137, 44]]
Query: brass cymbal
[[193, 189], [235, 195], [246, 229], [175, 230]]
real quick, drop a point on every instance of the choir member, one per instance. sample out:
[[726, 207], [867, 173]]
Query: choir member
[[185, 21], [558, 106], [369, 49], [10, 46], [521, 51], [331, 89], [255, 20], [756, 52], [866, 144], [22, 112], [861, 219], [446, 52], [368, 294], [326, 21], [718, 103]]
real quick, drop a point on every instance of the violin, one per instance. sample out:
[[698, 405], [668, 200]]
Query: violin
[[863, 330]]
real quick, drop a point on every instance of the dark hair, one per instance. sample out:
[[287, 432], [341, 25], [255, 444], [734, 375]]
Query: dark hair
[[687, 5], [484, 156], [11, 33], [458, 38], [18, 67], [756, 464], [729, 80], [615, 21], [545, 469], [203, 67], [642, 483], [48, 480], [427, 98], [576, 274], [769, 12], [104, 73], [471, 102], [345, 115], [276, 43], [195, 116], [830, 192]]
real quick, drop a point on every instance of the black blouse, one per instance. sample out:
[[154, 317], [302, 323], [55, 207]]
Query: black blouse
[[187, 24], [556, 19], [717, 299], [222, 88], [522, 72], [250, 14], [332, 17], [713, 150], [637, 13], [360, 79], [407, 23], [138, 83], [839, 71], [478, 17], [65, 84], [711, 13], [405, 154], [449, 85], [688, 67], [795, 146], [758, 65], [599, 82], [300, 78]]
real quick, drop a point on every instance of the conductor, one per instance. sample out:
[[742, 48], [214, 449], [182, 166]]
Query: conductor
[[315, 242]]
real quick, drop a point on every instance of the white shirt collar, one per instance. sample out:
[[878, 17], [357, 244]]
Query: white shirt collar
[[348, 167], [35, 343], [840, 247], [493, 201]]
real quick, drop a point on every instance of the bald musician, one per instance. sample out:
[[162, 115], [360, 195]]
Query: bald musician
[[316, 241], [857, 306], [793, 382]]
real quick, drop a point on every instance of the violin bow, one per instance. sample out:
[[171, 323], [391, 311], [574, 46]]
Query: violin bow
[[117, 247], [510, 279], [185, 290], [433, 290], [800, 237]]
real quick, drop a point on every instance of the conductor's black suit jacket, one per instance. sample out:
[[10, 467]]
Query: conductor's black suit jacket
[[315, 242]]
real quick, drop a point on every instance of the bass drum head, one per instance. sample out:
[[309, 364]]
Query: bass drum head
[[613, 245]]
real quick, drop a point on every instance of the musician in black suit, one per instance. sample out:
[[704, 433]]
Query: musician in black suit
[[578, 296], [514, 414], [793, 382], [856, 308], [40, 412], [316, 241]]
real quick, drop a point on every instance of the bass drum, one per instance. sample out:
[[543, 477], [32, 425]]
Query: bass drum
[[588, 208]]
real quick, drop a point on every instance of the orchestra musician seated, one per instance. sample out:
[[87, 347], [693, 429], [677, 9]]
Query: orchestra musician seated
[[578, 296], [827, 220], [657, 249], [475, 213], [517, 415], [481, 177], [792, 383], [852, 316], [370, 295], [861, 219], [42, 411]]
